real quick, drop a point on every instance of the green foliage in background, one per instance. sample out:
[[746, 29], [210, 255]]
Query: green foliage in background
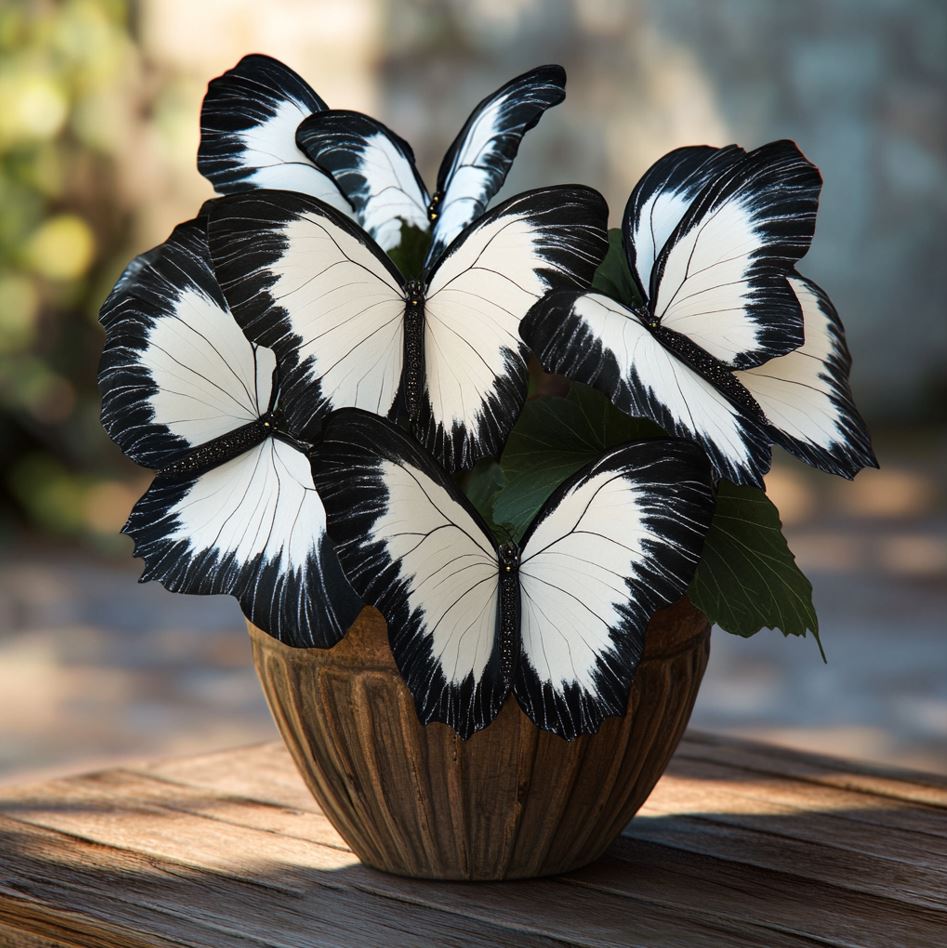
[[65, 71], [409, 255]]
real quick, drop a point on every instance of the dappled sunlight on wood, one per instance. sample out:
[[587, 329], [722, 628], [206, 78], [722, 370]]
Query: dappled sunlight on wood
[[853, 742], [739, 844]]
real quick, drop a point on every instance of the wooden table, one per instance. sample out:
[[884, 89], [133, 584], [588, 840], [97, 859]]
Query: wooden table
[[740, 844]]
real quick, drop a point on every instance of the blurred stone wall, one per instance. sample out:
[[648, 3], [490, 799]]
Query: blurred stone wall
[[861, 85]]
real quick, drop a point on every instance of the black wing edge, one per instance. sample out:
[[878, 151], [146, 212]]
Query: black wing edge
[[575, 213], [686, 170], [542, 88], [333, 140], [787, 185], [549, 81], [303, 609], [346, 471], [565, 346], [459, 448], [240, 99], [853, 451], [681, 507], [144, 292], [245, 241]]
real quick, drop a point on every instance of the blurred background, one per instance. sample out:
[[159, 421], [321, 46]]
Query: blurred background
[[99, 105]]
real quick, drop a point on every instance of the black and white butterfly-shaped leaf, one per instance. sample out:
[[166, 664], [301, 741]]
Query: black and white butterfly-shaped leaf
[[712, 237], [233, 508], [349, 330], [375, 168], [558, 620], [248, 132], [661, 197]]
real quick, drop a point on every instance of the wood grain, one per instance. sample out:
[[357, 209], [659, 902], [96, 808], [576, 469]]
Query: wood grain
[[230, 848], [512, 801]]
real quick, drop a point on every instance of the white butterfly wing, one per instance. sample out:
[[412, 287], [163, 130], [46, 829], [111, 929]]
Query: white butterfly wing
[[475, 360], [614, 544], [479, 159], [597, 341], [411, 544], [248, 132], [806, 394], [373, 167], [310, 284], [176, 371], [661, 197], [721, 277], [253, 528]]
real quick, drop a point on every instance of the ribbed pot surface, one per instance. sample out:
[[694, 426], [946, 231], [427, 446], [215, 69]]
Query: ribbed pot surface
[[512, 801]]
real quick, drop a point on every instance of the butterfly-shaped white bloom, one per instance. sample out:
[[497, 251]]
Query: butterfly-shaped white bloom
[[349, 329], [233, 508], [262, 126], [730, 345], [557, 620]]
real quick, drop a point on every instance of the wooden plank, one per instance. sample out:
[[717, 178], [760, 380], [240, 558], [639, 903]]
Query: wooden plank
[[266, 772], [58, 885], [20, 939], [32, 923], [762, 859], [866, 870], [757, 806], [714, 777], [769, 850], [120, 811], [267, 815], [913, 786], [256, 771], [784, 902]]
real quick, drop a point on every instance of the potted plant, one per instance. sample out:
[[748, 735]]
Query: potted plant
[[480, 477]]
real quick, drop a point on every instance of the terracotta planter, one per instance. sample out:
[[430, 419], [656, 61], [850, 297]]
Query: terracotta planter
[[511, 802]]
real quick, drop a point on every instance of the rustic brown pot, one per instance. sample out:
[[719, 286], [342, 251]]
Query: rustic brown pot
[[512, 801]]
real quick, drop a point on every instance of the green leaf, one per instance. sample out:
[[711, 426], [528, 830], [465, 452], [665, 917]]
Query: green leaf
[[408, 256], [613, 278], [481, 484], [747, 578], [551, 440]]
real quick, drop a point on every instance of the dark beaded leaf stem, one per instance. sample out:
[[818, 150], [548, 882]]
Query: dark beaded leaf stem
[[228, 446], [413, 347], [509, 556], [718, 373]]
